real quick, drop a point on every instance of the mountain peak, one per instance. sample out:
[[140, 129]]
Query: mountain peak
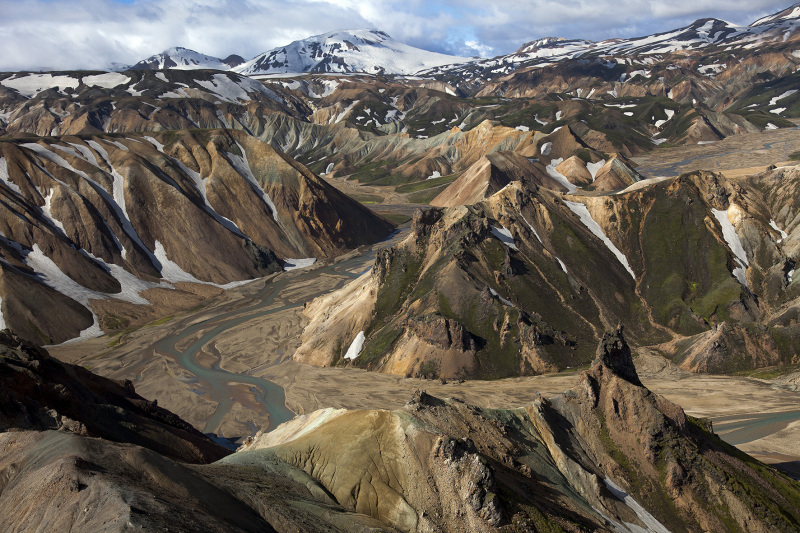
[[182, 58], [614, 353], [544, 42], [790, 13], [347, 51]]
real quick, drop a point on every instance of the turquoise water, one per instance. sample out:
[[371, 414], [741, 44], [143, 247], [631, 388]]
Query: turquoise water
[[751, 428]]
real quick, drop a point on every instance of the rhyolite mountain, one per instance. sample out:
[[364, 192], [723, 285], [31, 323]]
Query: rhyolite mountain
[[571, 120], [606, 455], [93, 228], [525, 279]]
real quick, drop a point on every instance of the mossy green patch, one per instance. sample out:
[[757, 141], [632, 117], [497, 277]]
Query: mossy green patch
[[426, 184], [425, 196]]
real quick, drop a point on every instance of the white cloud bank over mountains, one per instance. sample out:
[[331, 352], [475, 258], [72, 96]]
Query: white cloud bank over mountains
[[81, 34]]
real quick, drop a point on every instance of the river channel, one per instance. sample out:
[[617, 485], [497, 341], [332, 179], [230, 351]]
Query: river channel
[[216, 383]]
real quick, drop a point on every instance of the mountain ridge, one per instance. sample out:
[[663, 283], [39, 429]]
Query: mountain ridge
[[337, 51]]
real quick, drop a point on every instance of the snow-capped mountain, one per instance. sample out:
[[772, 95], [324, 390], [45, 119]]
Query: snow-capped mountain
[[369, 51], [554, 44], [701, 34], [185, 59], [790, 13]]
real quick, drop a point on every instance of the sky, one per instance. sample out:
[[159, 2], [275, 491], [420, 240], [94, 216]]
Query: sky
[[93, 34]]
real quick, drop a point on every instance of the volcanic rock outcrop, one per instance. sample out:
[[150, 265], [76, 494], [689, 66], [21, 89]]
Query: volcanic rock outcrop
[[608, 455]]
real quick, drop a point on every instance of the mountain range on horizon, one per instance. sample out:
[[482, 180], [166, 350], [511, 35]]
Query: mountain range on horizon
[[372, 51]]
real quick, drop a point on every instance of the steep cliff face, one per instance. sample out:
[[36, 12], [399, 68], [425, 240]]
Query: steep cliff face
[[526, 281], [114, 217], [606, 455]]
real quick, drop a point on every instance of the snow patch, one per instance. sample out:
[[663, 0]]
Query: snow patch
[[32, 84], [225, 88], [2, 318], [158, 145], [341, 115], [496, 295], [170, 270], [774, 226], [51, 275], [670, 113], [532, 229], [653, 525], [594, 168], [86, 154], [200, 182], [558, 176], [49, 214], [329, 86], [109, 80], [642, 184], [730, 236], [546, 147], [130, 285], [173, 273], [778, 110], [118, 191], [775, 100], [583, 213], [170, 94], [117, 144], [355, 347], [504, 235], [5, 178], [293, 264], [436, 174], [522, 128]]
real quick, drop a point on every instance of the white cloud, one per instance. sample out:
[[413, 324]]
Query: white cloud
[[481, 49], [69, 34], [92, 33]]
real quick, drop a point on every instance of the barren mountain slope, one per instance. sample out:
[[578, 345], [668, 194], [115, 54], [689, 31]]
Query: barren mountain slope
[[568, 462], [526, 281], [127, 218]]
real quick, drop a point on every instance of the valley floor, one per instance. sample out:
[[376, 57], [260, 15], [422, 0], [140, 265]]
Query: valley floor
[[758, 417], [736, 156]]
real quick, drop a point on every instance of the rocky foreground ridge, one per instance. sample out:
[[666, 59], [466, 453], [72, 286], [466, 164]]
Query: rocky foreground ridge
[[607, 455]]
